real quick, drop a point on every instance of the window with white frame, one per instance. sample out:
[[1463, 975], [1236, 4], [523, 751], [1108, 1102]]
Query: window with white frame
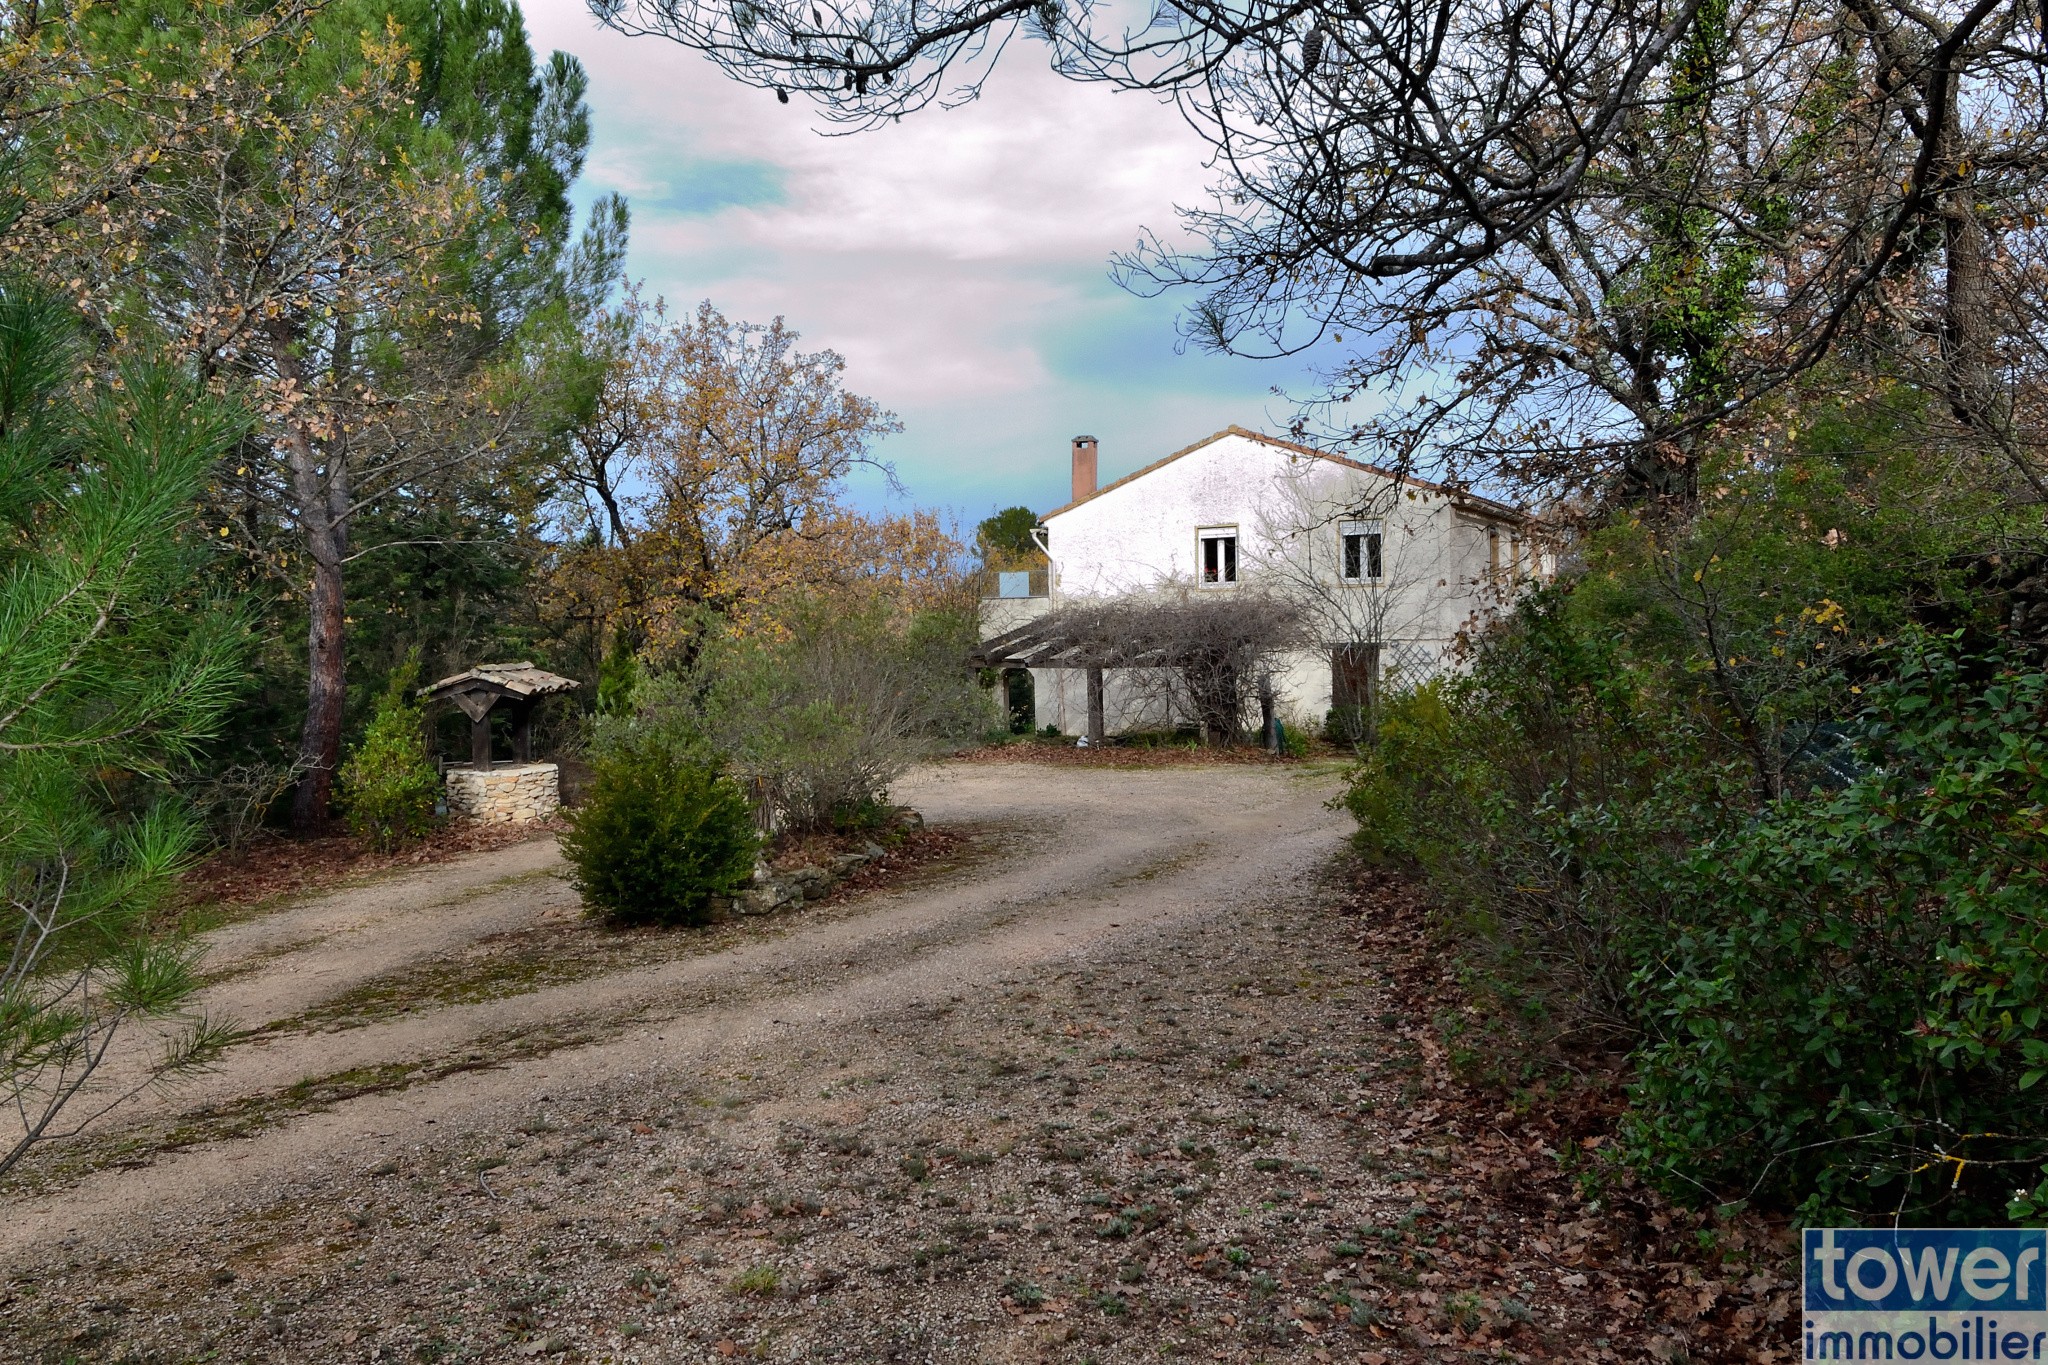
[[1217, 556], [1363, 551]]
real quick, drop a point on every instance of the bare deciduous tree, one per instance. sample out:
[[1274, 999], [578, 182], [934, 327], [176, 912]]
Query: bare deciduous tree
[[1361, 559], [1600, 227], [818, 718], [710, 476]]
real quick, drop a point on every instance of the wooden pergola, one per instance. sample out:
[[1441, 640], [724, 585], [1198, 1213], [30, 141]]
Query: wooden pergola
[[518, 687], [1051, 642], [1096, 637]]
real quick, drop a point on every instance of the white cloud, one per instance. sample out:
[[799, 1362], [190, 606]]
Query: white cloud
[[1038, 168], [914, 332], [957, 259]]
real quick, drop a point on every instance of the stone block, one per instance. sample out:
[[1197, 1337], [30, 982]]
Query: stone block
[[768, 898], [504, 794]]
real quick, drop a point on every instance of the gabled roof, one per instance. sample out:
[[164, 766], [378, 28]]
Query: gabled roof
[[520, 680], [1471, 501]]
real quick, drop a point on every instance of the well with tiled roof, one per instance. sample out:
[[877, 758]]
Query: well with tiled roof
[[519, 687]]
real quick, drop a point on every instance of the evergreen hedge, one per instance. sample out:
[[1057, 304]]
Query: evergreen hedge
[[657, 836], [388, 786]]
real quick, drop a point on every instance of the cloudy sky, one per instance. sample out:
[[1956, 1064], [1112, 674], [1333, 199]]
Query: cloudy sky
[[957, 260]]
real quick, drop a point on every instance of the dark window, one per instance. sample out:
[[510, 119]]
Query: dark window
[[1219, 558], [1362, 550]]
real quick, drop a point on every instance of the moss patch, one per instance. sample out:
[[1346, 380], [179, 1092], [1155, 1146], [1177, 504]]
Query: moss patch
[[250, 1114], [563, 952]]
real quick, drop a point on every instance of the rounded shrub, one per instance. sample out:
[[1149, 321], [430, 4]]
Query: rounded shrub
[[388, 786], [657, 836]]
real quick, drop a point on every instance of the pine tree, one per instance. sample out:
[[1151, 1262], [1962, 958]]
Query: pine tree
[[110, 675]]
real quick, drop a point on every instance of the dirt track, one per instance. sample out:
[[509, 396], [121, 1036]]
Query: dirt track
[[1103, 1091]]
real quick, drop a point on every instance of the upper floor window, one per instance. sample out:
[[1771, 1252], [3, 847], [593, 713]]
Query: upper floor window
[[1363, 550], [1218, 556]]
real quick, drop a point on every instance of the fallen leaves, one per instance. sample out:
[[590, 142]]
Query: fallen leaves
[[1528, 1214], [273, 865]]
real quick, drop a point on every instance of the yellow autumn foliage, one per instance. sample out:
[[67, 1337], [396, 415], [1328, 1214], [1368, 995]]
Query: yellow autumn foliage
[[710, 475]]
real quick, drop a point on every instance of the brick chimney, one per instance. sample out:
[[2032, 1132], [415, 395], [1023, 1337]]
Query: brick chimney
[[1084, 467]]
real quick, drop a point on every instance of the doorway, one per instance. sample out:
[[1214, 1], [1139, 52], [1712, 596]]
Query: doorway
[[1354, 682], [1020, 700]]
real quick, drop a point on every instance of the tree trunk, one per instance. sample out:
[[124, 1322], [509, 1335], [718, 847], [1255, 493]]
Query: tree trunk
[[1216, 697], [326, 679], [320, 488], [1096, 709], [1970, 355]]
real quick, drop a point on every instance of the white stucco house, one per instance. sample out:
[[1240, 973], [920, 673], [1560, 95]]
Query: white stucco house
[[1388, 569]]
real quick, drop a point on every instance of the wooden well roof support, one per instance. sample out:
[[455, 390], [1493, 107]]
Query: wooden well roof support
[[518, 686], [521, 680]]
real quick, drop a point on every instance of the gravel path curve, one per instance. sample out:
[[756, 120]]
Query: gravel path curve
[[835, 1136]]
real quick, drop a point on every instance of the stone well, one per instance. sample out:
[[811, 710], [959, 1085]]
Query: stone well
[[504, 793]]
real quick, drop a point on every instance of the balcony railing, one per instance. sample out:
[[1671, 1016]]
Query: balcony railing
[[1013, 583]]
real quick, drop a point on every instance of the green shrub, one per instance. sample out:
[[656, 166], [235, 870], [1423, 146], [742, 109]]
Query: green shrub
[[1832, 1000], [1721, 803], [1293, 742], [1849, 1012], [1348, 726], [658, 835], [618, 677], [388, 786], [1542, 794], [821, 711]]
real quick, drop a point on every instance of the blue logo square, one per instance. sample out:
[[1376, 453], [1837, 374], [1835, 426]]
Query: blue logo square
[[1888, 1270]]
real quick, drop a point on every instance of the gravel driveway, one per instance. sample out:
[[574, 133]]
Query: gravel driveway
[[1112, 1087]]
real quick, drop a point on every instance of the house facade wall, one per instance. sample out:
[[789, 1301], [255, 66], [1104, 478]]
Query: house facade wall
[[1445, 564]]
